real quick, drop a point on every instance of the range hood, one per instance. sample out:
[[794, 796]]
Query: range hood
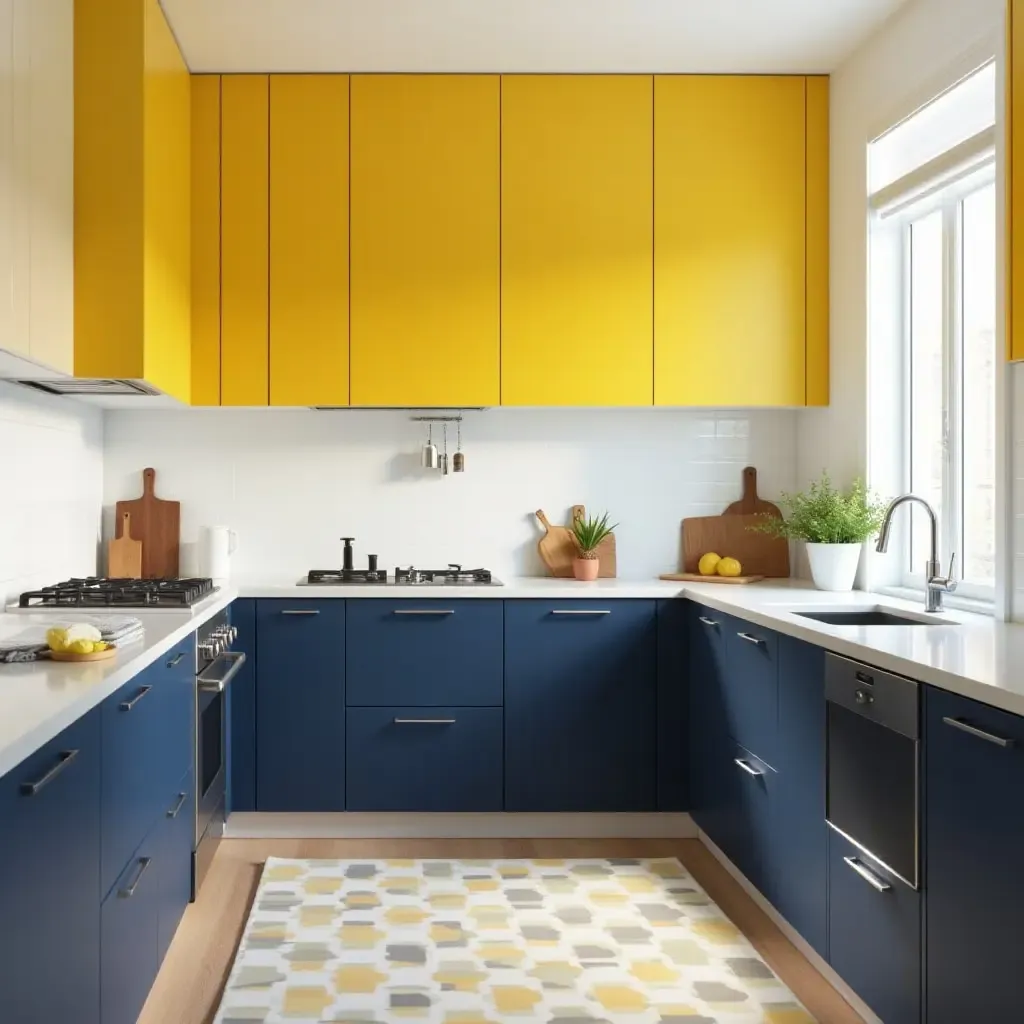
[[78, 387]]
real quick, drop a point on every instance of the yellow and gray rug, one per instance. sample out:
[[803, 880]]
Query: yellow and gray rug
[[482, 942]]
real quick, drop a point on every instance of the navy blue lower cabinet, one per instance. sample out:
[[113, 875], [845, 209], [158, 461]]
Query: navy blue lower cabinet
[[798, 851], [748, 818], [580, 705], [175, 867], [749, 682], [300, 705], [241, 703], [673, 713], [50, 894], [129, 940], [424, 759], [974, 852], [874, 933], [424, 652]]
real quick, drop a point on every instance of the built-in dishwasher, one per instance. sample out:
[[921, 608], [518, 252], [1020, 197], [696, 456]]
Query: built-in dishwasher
[[873, 736]]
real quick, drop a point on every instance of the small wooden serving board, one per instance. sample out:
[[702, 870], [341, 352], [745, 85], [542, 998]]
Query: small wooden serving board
[[110, 652], [695, 577]]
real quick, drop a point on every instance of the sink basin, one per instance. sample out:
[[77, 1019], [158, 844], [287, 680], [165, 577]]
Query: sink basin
[[872, 617]]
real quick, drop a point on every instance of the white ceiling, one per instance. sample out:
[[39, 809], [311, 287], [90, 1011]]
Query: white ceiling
[[523, 35]]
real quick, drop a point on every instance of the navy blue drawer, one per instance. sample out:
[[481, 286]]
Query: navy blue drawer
[[425, 652], [751, 684], [424, 759], [178, 826]]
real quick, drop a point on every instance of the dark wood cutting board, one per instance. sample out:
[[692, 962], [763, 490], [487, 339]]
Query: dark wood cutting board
[[157, 524], [750, 504]]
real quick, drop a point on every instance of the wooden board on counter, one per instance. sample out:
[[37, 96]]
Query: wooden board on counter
[[557, 549], [695, 577], [751, 504], [157, 524], [730, 537], [124, 553]]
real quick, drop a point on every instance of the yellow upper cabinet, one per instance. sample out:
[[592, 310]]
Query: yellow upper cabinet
[[576, 270], [730, 240], [817, 232], [244, 239], [132, 196], [309, 239], [425, 240]]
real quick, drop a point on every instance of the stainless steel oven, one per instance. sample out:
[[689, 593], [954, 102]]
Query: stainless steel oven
[[873, 786], [216, 666]]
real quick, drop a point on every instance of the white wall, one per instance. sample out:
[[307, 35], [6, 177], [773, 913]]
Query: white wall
[[51, 489], [291, 482], [924, 48]]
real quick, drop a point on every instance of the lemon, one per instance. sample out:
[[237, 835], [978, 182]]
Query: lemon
[[57, 639], [708, 564], [80, 647], [729, 567]]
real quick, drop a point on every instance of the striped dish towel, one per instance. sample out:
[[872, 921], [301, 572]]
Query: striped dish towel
[[30, 644]]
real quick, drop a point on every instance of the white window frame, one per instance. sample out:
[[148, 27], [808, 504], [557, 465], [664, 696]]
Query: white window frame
[[950, 537]]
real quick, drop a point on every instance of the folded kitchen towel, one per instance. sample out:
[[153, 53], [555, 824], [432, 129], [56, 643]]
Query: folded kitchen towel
[[30, 643]]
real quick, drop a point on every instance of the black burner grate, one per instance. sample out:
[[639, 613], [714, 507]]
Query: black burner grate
[[96, 592]]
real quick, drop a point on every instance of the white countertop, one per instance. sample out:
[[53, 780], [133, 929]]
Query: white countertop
[[973, 655], [39, 699]]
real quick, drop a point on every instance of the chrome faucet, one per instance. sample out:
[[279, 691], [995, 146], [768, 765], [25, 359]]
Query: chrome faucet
[[935, 584]]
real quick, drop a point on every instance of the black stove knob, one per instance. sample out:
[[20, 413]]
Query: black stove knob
[[371, 561]]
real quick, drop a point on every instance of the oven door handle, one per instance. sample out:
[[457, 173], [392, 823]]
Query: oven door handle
[[217, 685]]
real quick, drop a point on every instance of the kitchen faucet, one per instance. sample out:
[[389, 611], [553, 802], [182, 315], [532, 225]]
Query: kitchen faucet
[[935, 584]]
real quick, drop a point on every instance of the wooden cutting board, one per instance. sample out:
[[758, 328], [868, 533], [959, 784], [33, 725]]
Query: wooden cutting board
[[157, 524], [728, 536], [750, 504], [124, 553], [557, 548], [695, 577], [608, 568]]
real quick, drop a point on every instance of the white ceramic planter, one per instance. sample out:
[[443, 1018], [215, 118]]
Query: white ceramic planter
[[834, 566]]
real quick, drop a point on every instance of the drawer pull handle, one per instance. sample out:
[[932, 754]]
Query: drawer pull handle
[[707, 621], [127, 894], [174, 661], [423, 611], [173, 812], [31, 788], [748, 768], [581, 611], [876, 883], [973, 730], [300, 611], [127, 705], [424, 721], [751, 639]]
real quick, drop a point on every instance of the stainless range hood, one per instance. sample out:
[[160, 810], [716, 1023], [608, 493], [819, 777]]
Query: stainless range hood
[[76, 386]]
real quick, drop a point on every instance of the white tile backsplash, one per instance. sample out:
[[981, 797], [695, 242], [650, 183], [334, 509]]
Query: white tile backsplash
[[51, 491], [291, 482]]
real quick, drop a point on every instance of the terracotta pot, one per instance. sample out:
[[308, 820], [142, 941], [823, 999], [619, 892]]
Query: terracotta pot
[[586, 569]]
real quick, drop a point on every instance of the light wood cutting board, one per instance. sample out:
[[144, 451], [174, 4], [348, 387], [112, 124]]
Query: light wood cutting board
[[608, 567], [728, 536], [124, 553], [750, 504], [695, 577], [157, 524], [557, 549]]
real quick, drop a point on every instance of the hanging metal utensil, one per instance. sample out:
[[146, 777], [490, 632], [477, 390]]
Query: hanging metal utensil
[[444, 454], [429, 454], [459, 460]]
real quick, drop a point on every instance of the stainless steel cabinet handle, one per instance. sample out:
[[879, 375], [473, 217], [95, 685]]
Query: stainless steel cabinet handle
[[127, 894], [749, 769], [66, 757], [424, 721], [207, 684], [127, 705], [173, 812], [300, 611], [581, 611], [750, 638], [876, 883], [707, 621], [973, 730], [174, 661], [423, 611]]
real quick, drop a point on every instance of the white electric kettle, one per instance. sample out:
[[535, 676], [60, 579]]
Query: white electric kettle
[[217, 546]]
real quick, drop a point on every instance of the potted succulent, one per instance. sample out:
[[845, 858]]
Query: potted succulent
[[833, 523], [588, 534]]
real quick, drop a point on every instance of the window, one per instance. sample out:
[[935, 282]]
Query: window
[[942, 216]]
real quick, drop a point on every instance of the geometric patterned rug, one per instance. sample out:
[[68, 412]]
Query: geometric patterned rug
[[488, 941]]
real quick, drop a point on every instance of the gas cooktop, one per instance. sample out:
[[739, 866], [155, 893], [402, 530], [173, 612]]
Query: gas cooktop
[[452, 576], [95, 592]]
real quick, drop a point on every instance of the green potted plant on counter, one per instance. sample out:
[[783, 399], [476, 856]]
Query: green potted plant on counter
[[588, 534], [833, 523]]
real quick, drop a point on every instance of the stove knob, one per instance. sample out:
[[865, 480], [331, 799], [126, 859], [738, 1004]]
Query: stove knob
[[207, 650]]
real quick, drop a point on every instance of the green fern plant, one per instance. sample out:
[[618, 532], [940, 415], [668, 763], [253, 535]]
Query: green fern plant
[[588, 534], [824, 514]]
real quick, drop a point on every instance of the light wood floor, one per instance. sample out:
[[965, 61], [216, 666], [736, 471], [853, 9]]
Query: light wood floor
[[189, 987]]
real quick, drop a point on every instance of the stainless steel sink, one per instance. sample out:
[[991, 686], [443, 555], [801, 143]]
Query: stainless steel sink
[[873, 617]]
